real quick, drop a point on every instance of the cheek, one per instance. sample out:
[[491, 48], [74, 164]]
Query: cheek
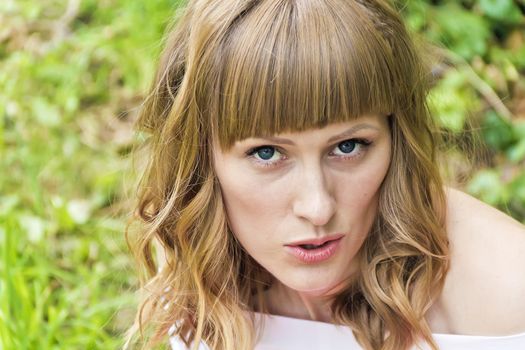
[[357, 194], [254, 209]]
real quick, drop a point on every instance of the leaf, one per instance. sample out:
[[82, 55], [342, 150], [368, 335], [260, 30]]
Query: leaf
[[45, 113], [516, 153], [462, 31], [505, 11], [519, 130], [497, 132], [487, 186], [61, 213], [517, 187], [451, 101]]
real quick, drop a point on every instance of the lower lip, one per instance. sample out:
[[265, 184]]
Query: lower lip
[[312, 256]]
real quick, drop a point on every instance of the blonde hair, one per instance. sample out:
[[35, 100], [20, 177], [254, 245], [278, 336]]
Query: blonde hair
[[232, 69]]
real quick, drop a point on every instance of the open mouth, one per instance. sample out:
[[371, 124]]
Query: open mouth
[[313, 246]]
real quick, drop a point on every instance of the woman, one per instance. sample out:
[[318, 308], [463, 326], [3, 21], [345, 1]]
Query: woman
[[293, 173]]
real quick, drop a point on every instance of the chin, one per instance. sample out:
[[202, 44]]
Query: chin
[[317, 289]]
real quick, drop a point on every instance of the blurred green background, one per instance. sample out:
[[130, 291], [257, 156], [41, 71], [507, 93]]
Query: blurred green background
[[72, 75]]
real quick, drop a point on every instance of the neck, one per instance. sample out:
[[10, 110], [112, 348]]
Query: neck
[[308, 305], [284, 301]]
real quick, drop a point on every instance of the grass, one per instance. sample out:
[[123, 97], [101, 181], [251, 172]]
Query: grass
[[70, 86]]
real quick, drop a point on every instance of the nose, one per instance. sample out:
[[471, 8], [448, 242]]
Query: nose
[[314, 200]]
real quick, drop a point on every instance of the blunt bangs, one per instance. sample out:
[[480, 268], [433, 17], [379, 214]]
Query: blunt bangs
[[295, 65]]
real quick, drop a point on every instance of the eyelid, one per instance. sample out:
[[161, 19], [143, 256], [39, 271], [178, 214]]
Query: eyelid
[[251, 154], [252, 150], [362, 142]]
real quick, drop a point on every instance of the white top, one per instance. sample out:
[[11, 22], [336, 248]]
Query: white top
[[294, 334]]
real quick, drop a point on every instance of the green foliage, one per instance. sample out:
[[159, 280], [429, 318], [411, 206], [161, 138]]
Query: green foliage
[[497, 132], [505, 137], [480, 91], [451, 100], [501, 11], [468, 39], [487, 185], [70, 81]]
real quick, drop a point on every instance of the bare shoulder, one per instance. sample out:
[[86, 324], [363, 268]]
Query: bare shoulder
[[484, 292]]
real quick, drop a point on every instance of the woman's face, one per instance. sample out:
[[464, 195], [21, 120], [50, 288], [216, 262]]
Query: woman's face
[[302, 203]]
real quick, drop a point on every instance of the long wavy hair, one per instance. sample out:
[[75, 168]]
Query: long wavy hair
[[233, 69]]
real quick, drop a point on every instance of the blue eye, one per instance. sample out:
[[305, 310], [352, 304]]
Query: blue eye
[[267, 156], [352, 148], [265, 153], [347, 146]]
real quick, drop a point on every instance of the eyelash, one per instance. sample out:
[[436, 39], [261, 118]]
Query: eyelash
[[361, 145]]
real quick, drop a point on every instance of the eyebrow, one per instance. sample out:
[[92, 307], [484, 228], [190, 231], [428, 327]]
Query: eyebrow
[[347, 133]]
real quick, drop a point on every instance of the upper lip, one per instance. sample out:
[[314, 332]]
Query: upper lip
[[317, 241]]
